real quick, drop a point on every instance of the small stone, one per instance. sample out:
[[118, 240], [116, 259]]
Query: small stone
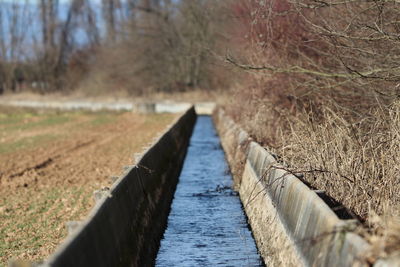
[[72, 226]]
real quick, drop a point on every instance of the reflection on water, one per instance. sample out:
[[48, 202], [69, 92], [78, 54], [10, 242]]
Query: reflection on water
[[206, 226]]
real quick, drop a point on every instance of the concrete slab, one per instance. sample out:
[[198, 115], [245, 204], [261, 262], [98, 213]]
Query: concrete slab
[[201, 108], [204, 108]]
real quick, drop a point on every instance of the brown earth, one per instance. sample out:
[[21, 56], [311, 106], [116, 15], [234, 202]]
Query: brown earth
[[52, 181]]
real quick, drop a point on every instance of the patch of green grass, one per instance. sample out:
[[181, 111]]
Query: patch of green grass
[[102, 118], [21, 119], [53, 120], [46, 121], [25, 121], [9, 119], [27, 142], [35, 225]]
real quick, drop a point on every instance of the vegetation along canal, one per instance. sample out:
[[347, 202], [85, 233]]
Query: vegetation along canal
[[206, 225]]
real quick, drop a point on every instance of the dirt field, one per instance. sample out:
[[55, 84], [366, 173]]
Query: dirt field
[[50, 164]]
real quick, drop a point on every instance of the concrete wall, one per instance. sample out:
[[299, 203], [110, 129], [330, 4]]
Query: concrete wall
[[292, 225], [234, 141], [126, 225], [202, 108]]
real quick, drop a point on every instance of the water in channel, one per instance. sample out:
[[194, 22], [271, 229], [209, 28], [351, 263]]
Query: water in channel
[[206, 225]]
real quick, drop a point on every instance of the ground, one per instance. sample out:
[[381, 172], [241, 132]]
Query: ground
[[50, 164]]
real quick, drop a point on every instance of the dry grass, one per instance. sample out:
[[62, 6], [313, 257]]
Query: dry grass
[[356, 160]]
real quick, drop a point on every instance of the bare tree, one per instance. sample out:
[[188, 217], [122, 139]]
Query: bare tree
[[174, 42], [168, 41], [14, 23]]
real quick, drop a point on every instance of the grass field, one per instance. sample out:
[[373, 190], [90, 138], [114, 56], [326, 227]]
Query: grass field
[[50, 164]]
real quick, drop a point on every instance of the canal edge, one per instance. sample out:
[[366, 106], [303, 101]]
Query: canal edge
[[292, 225], [126, 224]]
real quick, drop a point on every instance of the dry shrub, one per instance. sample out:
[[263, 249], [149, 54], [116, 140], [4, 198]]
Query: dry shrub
[[113, 72], [357, 162], [322, 93], [166, 47], [345, 51]]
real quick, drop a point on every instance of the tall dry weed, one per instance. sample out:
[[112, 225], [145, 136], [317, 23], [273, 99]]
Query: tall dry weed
[[355, 160], [314, 100], [357, 163]]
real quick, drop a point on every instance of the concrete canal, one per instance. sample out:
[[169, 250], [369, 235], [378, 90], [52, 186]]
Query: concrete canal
[[206, 225]]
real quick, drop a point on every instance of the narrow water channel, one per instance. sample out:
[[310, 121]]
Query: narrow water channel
[[206, 225]]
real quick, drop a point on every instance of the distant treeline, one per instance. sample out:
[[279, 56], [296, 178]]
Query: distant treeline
[[39, 39], [132, 45]]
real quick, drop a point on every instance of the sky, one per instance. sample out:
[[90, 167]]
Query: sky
[[37, 1]]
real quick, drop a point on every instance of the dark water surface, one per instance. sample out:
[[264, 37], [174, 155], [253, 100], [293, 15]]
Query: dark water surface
[[206, 226]]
